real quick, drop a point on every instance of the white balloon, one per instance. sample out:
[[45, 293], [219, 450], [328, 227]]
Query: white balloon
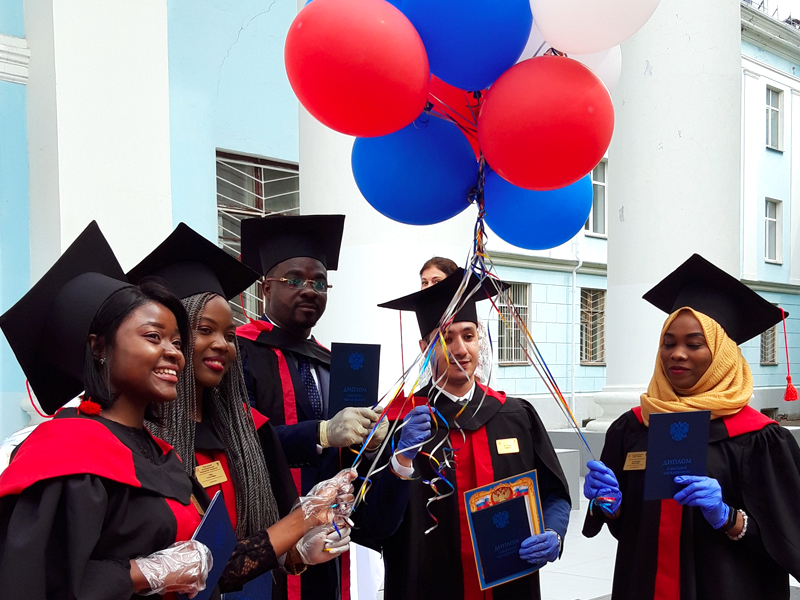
[[606, 64], [588, 26]]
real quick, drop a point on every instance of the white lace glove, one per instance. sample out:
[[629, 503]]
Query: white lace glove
[[323, 543], [347, 427], [328, 500], [182, 568]]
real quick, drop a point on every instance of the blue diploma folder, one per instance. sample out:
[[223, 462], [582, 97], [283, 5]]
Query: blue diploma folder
[[677, 444], [216, 532], [501, 516], [354, 376]]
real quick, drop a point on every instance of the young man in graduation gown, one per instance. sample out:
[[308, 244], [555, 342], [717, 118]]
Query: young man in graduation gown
[[502, 437], [287, 373], [733, 532]]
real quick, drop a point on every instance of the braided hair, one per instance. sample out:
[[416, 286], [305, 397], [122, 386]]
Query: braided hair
[[228, 411]]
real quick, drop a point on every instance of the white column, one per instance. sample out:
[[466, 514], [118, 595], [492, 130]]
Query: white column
[[753, 140], [673, 178], [98, 114], [794, 206]]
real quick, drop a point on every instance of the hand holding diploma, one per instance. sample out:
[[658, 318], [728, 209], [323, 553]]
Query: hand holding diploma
[[540, 549], [601, 482], [706, 494]]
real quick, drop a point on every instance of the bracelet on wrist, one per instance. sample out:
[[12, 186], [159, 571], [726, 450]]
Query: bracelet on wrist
[[292, 564], [740, 535]]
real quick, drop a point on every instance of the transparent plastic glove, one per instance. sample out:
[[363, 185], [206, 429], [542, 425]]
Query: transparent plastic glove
[[323, 543], [705, 493], [182, 568], [540, 549], [601, 482], [416, 429], [330, 499], [347, 427], [378, 436]]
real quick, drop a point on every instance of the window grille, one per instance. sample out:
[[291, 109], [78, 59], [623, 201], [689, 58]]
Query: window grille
[[252, 187], [769, 354], [593, 305], [511, 340]]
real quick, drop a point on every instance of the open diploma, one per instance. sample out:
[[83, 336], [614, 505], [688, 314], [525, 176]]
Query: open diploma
[[677, 444], [501, 516]]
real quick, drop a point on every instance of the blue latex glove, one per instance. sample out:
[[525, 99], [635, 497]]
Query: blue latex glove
[[416, 429], [601, 482], [705, 493], [540, 549]]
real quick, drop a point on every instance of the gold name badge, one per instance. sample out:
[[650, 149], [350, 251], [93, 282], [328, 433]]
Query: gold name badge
[[507, 446], [210, 474], [636, 461]]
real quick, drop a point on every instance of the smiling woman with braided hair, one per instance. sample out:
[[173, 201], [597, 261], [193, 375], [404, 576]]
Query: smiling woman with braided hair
[[229, 447]]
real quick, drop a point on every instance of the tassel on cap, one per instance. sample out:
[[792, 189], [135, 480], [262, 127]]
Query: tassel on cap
[[791, 393]]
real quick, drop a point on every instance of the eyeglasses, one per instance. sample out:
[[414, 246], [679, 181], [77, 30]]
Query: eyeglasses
[[298, 283]]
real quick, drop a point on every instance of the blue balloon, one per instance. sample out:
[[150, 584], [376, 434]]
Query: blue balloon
[[470, 43], [536, 220], [419, 175]]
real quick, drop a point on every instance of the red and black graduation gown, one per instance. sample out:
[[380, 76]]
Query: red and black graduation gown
[[208, 449], [667, 551], [276, 390], [441, 564], [78, 501]]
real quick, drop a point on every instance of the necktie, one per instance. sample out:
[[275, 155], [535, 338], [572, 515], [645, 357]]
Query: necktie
[[304, 366]]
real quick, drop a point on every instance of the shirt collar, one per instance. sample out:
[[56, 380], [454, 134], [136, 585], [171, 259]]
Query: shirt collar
[[462, 400]]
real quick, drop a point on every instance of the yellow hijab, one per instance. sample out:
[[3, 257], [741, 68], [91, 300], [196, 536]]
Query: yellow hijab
[[724, 389]]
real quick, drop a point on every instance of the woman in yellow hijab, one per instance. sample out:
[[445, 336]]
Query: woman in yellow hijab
[[732, 533]]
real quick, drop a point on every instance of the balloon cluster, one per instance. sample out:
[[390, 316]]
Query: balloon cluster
[[506, 102]]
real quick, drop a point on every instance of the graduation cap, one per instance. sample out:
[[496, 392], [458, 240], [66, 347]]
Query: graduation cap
[[700, 285], [190, 264], [431, 303], [47, 328], [267, 241]]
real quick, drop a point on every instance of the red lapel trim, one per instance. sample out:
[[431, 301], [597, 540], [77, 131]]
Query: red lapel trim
[[500, 396], [668, 572], [746, 420], [637, 412], [258, 419], [253, 329], [226, 487], [69, 447], [186, 517]]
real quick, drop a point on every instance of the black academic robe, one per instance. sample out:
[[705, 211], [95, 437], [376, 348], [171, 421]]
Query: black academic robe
[[208, 449], [669, 551], [276, 391], [441, 564], [78, 501]]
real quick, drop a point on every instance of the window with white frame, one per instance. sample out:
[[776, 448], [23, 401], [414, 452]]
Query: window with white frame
[[593, 343], [769, 354], [251, 187], [773, 210], [596, 223], [511, 338], [774, 102]]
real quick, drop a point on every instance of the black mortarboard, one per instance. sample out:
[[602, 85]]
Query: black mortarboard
[[47, 328], [267, 241], [431, 303], [698, 284], [190, 264]]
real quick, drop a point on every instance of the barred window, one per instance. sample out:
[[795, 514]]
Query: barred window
[[769, 354], [511, 339], [252, 187], [593, 306]]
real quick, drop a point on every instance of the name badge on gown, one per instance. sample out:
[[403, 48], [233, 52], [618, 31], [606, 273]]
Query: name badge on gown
[[210, 474], [507, 446], [636, 461]]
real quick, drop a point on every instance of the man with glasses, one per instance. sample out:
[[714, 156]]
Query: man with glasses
[[288, 372]]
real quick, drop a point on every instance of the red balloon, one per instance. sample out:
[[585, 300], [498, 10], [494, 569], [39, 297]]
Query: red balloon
[[458, 105], [545, 123], [358, 66]]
